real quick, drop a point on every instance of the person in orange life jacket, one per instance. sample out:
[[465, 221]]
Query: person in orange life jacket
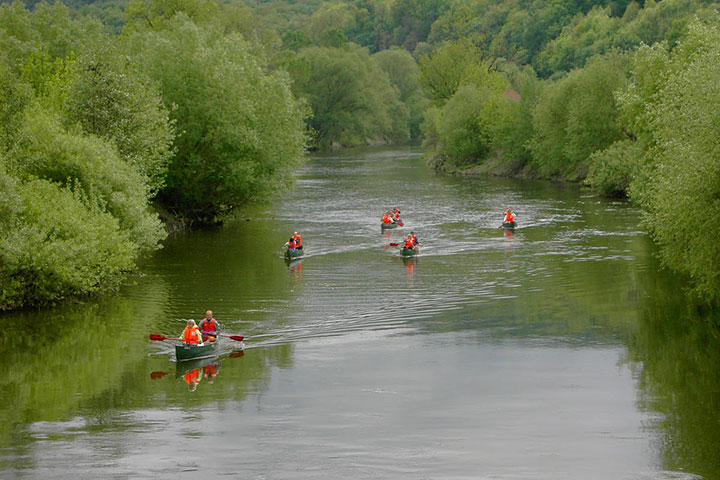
[[290, 244], [298, 240], [386, 219], [409, 243], [209, 327], [192, 334], [509, 216], [414, 239], [396, 214]]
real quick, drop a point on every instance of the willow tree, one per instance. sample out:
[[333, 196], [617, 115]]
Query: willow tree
[[677, 110], [240, 131]]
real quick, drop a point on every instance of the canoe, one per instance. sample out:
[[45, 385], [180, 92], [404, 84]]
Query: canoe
[[409, 252], [388, 226], [191, 352], [509, 225], [294, 253]]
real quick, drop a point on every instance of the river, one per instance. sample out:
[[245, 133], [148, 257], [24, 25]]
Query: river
[[558, 351]]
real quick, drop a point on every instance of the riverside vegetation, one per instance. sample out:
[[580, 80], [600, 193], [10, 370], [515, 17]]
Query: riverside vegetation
[[198, 107]]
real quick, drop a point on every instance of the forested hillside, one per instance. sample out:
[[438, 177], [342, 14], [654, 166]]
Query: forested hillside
[[178, 95]]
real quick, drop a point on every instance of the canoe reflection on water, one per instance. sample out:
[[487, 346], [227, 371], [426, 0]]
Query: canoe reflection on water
[[195, 371]]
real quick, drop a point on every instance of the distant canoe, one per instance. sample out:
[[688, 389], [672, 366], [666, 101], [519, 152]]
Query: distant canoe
[[410, 252], [294, 253], [185, 352], [509, 225], [388, 226]]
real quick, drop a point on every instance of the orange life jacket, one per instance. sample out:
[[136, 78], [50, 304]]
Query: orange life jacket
[[386, 219], [409, 243], [191, 336], [298, 241], [209, 328], [414, 239], [509, 217]]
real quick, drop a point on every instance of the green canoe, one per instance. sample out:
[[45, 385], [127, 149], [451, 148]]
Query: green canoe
[[191, 352], [509, 225], [409, 252], [294, 253], [388, 226]]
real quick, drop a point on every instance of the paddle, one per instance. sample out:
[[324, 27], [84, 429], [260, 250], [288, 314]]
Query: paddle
[[393, 244], [237, 338], [160, 338], [400, 224]]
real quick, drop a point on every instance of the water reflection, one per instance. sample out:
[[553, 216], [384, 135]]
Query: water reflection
[[676, 345]]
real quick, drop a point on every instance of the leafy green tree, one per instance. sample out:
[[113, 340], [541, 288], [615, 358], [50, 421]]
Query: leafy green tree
[[680, 185], [453, 65], [402, 71], [48, 254], [155, 14], [351, 97], [22, 31], [110, 98], [14, 97], [91, 168], [577, 116], [469, 111], [240, 130]]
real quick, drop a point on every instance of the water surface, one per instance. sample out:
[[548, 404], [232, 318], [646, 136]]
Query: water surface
[[559, 350]]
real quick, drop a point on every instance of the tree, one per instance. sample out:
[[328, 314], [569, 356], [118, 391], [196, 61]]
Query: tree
[[240, 130], [351, 97], [577, 116], [110, 98], [678, 107], [402, 71]]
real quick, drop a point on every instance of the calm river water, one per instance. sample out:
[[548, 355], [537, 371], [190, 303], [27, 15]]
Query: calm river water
[[559, 351]]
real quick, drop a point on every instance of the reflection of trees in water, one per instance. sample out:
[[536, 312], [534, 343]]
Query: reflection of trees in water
[[55, 358], [679, 350]]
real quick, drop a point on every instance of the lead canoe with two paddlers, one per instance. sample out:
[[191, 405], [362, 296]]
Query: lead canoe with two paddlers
[[184, 352]]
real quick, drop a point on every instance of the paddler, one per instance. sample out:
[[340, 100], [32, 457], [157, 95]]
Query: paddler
[[192, 334], [387, 219], [414, 239], [409, 243], [298, 240], [209, 327]]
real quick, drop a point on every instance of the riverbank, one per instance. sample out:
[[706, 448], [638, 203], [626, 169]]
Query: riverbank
[[496, 166]]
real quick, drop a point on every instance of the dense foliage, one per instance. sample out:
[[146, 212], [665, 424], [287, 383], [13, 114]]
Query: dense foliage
[[211, 102], [240, 131], [96, 127]]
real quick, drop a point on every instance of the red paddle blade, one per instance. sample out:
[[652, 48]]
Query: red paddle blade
[[393, 244], [156, 375], [156, 337], [236, 337], [401, 224]]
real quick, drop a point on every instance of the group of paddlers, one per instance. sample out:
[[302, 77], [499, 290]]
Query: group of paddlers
[[198, 335], [295, 242], [391, 216]]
